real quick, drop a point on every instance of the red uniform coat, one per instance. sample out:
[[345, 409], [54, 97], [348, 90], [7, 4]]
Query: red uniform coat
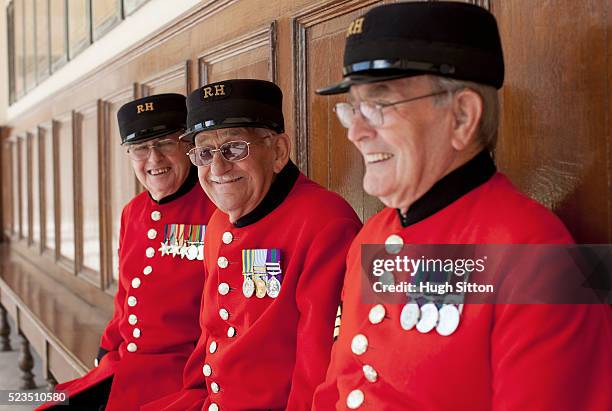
[[501, 357], [155, 324], [269, 353]]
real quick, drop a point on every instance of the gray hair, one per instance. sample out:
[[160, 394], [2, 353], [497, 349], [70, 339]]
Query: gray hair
[[489, 121]]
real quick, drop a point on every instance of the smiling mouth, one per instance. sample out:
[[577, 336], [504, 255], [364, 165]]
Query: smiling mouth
[[233, 180], [377, 157], [158, 171]]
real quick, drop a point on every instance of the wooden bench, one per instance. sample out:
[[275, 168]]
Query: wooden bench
[[62, 328]]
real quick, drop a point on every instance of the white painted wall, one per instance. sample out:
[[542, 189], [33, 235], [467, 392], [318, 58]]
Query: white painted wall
[[130, 31]]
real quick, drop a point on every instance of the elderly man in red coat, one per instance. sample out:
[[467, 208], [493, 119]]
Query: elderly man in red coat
[[155, 324], [274, 259], [422, 79]]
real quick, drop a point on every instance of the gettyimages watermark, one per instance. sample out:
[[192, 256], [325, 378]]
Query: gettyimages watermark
[[486, 274]]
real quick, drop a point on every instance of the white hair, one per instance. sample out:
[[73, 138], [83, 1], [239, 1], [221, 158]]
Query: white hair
[[489, 121]]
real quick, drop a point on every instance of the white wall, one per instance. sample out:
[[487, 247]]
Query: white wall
[[130, 31]]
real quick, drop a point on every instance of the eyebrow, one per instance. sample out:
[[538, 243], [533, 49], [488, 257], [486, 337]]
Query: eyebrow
[[375, 91]]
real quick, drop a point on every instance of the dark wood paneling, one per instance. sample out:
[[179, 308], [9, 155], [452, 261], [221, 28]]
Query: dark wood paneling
[[65, 194], [249, 56], [322, 147], [554, 134], [554, 141], [48, 167], [120, 187], [34, 187], [177, 79], [8, 189], [87, 192]]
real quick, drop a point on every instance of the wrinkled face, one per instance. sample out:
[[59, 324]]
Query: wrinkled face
[[411, 150], [165, 168], [238, 187]]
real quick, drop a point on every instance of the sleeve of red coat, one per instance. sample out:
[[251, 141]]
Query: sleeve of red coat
[[317, 298], [111, 339], [552, 357]]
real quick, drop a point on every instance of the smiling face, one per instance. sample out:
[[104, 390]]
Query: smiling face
[[165, 169], [413, 148], [238, 187]]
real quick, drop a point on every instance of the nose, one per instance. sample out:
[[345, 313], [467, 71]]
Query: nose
[[360, 129], [155, 155], [219, 165]]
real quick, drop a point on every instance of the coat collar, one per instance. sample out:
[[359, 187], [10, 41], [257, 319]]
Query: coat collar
[[450, 188], [279, 190]]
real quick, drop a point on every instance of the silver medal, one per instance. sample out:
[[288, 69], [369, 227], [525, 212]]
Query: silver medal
[[248, 287], [192, 252], [201, 252], [429, 318], [449, 320], [274, 287], [409, 316]]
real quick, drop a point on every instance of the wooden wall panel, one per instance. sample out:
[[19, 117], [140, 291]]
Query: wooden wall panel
[[88, 200], [8, 215], [24, 188], [249, 56], [35, 185], [65, 197], [122, 183], [554, 141], [175, 80], [323, 149], [17, 188], [48, 164]]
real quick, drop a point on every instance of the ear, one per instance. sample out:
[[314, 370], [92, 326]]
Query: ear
[[281, 145], [467, 110]]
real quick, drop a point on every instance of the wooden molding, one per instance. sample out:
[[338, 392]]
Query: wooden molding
[[263, 37], [307, 18], [178, 71]]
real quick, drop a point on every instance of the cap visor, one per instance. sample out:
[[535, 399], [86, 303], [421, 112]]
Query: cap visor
[[345, 85]]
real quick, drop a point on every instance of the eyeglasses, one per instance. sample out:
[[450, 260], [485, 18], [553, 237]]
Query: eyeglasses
[[373, 112], [231, 151], [141, 152]]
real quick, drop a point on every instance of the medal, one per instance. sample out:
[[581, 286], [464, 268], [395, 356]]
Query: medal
[[273, 269], [273, 287], [192, 252], [248, 286], [429, 318], [201, 252], [449, 320], [409, 316], [260, 287]]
